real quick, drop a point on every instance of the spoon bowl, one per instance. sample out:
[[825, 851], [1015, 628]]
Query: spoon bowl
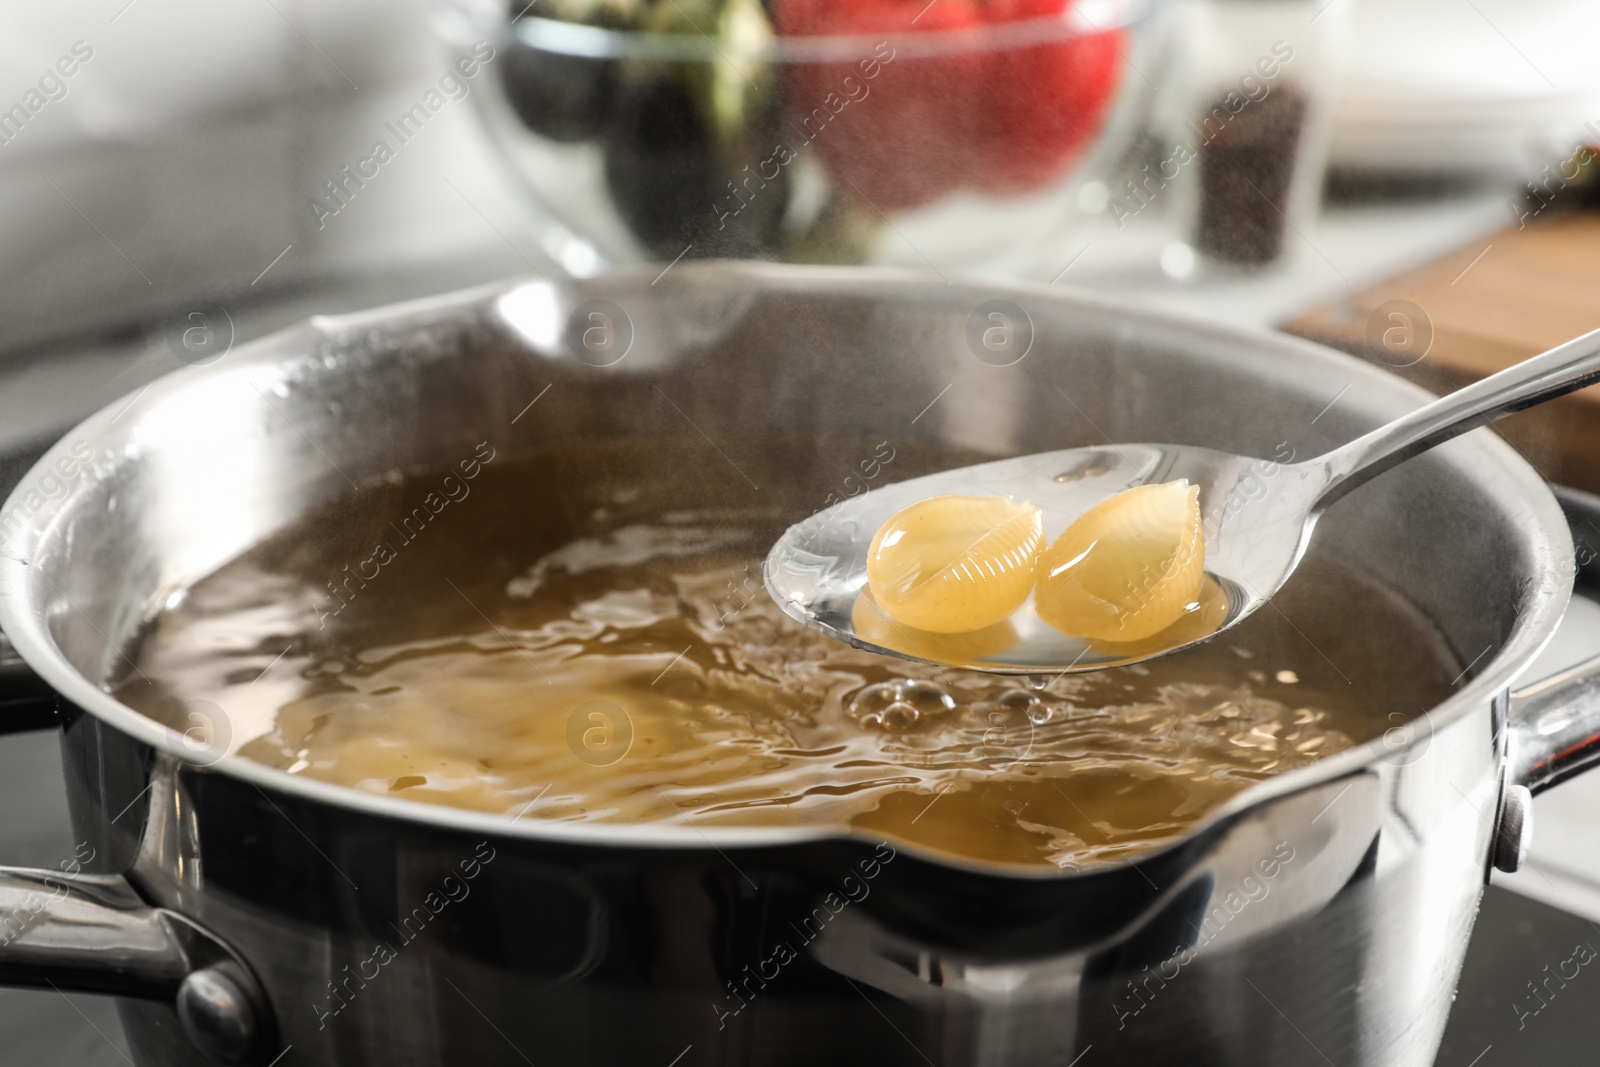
[[817, 571], [1257, 516]]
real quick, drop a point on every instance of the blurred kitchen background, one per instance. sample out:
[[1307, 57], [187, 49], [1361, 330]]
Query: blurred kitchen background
[[1406, 179], [188, 153]]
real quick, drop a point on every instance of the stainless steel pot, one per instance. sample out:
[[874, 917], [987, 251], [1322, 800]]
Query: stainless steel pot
[[244, 914]]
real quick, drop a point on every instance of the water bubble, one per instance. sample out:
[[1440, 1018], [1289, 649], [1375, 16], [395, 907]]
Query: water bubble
[[1018, 700], [1029, 704], [898, 705], [873, 699], [1041, 713], [927, 697], [899, 716]]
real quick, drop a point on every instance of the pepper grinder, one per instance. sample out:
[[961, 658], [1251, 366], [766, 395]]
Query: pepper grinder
[[1252, 131]]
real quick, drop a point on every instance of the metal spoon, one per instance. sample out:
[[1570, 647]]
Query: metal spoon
[[1258, 517]]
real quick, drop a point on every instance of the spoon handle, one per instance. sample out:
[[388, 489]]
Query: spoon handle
[[1563, 369]]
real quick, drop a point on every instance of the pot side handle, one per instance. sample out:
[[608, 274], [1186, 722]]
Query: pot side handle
[[1555, 727], [1555, 723], [93, 933], [26, 701]]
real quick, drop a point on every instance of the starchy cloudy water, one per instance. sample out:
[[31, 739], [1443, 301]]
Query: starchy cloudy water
[[637, 672]]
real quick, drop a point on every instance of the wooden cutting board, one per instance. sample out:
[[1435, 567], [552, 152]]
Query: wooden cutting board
[[1507, 297]]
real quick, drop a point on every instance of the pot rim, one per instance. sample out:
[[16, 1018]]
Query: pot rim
[[22, 621]]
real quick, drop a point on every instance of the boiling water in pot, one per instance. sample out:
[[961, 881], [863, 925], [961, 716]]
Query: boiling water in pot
[[570, 635]]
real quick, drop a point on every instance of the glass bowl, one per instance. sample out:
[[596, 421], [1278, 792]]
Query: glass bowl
[[953, 135]]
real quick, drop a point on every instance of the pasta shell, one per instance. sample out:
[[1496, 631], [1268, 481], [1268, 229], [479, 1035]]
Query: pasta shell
[[953, 564], [1202, 618], [870, 622], [1128, 568]]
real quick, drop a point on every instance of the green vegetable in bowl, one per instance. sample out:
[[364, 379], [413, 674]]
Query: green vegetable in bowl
[[694, 156]]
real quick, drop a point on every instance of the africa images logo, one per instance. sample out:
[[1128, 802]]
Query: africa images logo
[[51, 86], [455, 84]]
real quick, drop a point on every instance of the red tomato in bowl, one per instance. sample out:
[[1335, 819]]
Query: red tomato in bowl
[[906, 130]]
